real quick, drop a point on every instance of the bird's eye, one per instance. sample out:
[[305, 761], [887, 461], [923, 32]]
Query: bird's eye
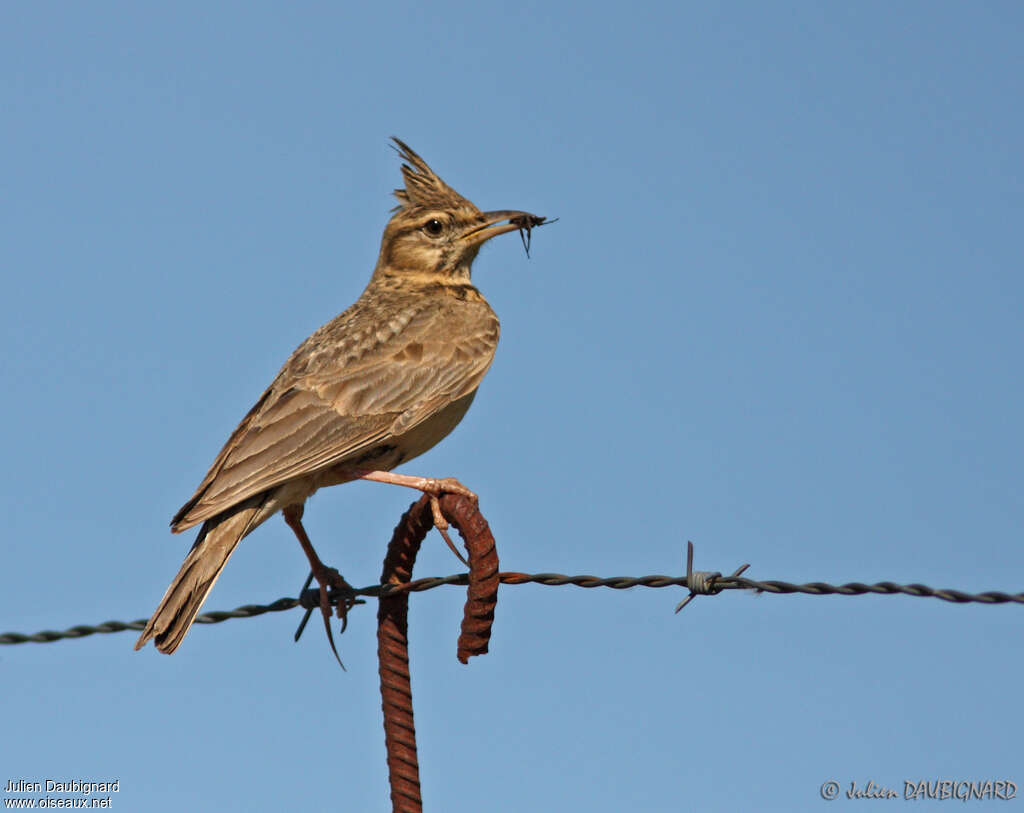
[[433, 227]]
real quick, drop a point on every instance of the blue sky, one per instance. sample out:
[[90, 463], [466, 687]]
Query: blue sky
[[781, 316]]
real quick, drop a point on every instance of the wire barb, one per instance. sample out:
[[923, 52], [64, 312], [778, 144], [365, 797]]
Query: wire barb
[[702, 582], [309, 607]]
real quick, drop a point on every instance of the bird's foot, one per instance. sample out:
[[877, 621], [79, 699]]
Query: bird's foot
[[434, 488], [327, 578], [333, 589]]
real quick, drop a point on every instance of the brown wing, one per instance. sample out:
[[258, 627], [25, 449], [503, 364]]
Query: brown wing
[[352, 385]]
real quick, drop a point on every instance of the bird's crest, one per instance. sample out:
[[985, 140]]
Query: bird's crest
[[423, 187]]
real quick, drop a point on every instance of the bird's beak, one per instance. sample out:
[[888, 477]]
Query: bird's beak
[[500, 222]]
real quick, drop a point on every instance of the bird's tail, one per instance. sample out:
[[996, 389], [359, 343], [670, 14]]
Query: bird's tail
[[216, 542]]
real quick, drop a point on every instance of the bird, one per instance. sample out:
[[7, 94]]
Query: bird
[[375, 387]]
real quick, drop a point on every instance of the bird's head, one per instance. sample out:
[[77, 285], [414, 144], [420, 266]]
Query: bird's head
[[435, 233]]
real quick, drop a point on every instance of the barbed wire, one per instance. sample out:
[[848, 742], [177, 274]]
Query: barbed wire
[[698, 582]]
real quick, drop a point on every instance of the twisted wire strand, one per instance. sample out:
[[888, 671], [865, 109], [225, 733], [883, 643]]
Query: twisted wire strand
[[715, 585]]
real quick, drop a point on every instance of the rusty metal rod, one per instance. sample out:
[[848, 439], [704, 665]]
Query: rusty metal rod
[[393, 629]]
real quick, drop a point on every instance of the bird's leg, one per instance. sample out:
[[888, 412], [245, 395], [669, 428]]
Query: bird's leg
[[432, 487], [325, 576]]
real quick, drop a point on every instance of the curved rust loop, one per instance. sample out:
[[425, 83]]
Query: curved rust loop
[[393, 628], [393, 659], [482, 594]]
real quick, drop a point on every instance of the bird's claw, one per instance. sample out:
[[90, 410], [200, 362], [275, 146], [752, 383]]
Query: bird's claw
[[434, 488], [331, 585]]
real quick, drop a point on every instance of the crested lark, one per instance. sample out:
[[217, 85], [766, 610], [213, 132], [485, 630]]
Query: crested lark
[[373, 388]]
